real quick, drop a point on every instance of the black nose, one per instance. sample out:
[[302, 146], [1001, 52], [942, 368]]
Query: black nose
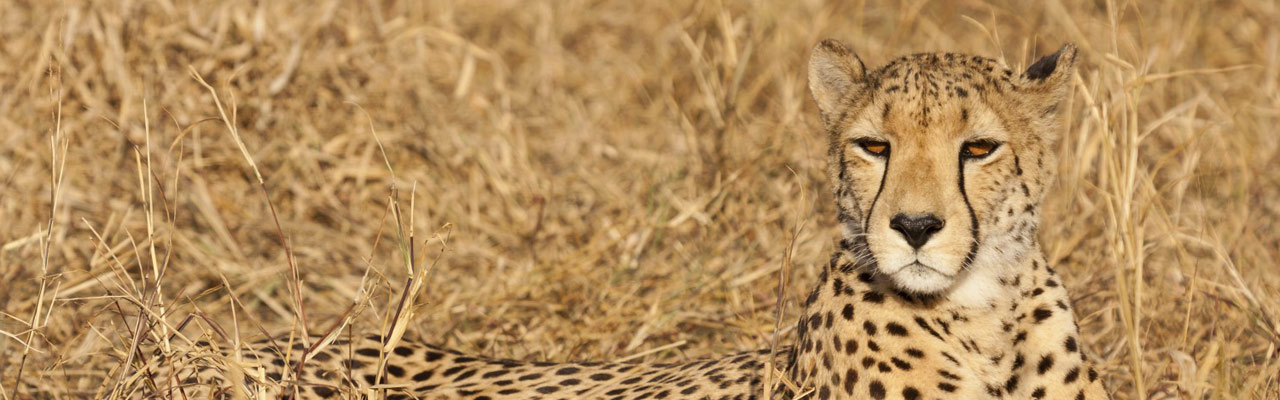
[[917, 229]]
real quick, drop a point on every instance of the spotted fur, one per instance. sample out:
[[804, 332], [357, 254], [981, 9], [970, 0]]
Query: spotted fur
[[348, 367], [938, 290]]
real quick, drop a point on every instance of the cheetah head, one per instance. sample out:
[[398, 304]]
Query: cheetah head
[[939, 161]]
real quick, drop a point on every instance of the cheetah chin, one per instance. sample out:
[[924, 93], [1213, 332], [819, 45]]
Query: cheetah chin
[[917, 277]]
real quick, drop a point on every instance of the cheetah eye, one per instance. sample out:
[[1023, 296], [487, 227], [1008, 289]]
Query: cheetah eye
[[874, 147], [978, 149]]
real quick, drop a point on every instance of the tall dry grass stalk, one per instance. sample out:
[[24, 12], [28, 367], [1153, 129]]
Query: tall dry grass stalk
[[600, 180]]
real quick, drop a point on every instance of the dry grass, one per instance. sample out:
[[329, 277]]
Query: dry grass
[[610, 178]]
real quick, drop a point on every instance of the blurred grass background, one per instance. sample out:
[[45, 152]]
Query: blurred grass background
[[592, 180]]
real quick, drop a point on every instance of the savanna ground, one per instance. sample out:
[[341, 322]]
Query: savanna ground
[[588, 180]]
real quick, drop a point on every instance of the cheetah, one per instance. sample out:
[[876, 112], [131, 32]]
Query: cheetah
[[937, 289]]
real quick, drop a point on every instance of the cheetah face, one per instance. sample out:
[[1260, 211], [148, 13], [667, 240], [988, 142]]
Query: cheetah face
[[938, 161]]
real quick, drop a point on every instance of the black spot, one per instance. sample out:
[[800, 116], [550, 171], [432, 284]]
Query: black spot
[[850, 378], [433, 356], [548, 389], [913, 352], [454, 370], [495, 373], [865, 277], [403, 351], [895, 329], [1038, 393], [847, 313], [950, 358], [600, 376], [368, 352], [910, 393], [947, 387], [1046, 363], [813, 296], [1093, 375], [1042, 314], [873, 297], [465, 374], [567, 371], [1011, 384], [322, 391], [323, 374], [424, 375], [530, 377], [689, 390], [395, 370], [1072, 375], [877, 390], [993, 390], [925, 325], [869, 327], [903, 365]]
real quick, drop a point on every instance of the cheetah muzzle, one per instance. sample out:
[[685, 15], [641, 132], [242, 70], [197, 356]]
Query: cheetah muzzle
[[938, 289]]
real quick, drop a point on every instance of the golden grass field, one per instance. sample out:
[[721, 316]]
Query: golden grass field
[[589, 180]]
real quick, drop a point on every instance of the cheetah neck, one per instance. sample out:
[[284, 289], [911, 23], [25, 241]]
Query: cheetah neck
[[857, 321], [989, 279]]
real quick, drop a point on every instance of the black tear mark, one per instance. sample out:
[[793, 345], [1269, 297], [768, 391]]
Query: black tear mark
[[973, 219], [866, 221]]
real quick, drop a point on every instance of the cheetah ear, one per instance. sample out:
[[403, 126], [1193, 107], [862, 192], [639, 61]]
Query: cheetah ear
[[1052, 72], [834, 73]]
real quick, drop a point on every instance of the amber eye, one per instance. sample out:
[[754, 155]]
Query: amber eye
[[978, 148], [875, 147]]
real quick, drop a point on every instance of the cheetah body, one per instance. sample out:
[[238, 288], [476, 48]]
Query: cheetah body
[[973, 311]]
